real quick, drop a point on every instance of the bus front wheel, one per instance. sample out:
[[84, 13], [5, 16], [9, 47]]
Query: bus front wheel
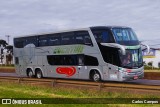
[[96, 76]]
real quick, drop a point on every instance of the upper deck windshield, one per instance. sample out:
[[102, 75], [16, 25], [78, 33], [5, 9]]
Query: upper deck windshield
[[132, 59], [125, 36]]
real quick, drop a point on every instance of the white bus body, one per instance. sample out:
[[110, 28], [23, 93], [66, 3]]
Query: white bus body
[[96, 53]]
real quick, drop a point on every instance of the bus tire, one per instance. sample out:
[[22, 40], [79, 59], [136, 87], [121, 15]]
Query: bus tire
[[95, 76], [39, 73], [30, 73]]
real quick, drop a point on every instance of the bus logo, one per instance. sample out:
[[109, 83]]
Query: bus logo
[[69, 71]]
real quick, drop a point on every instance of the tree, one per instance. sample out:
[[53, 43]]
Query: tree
[[9, 56], [9, 49], [3, 45]]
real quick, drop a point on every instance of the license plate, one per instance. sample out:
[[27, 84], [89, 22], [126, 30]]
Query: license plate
[[135, 77]]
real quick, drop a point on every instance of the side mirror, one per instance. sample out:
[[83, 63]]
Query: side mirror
[[122, 48], [145, 46]]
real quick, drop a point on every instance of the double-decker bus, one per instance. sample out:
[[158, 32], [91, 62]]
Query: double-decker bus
[[98, 53]]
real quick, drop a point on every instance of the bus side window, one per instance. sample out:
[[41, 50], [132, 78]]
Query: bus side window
[[81, 60], [90, 61], [103, 35], [31, 40], [67, 38], [79, 39], [19, 42], [54, 39], [62, 59], [70, 60], [83, 37], [87, 40], [98, 36], [43, 40]]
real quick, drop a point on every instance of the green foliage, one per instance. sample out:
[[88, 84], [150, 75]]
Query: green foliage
[[150, 68]]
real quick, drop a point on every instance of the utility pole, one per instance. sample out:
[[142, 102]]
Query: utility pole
[[8, 38]]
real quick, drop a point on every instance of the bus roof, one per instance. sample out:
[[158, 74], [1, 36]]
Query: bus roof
[[109, 27], [93, 27]]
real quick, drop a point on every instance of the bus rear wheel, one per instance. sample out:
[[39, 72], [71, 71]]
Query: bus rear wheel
[[30, 73], [96, 76], [39, 73]]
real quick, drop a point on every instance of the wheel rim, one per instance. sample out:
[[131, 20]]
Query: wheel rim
[[96, 77], [30, 74], [39, 75]]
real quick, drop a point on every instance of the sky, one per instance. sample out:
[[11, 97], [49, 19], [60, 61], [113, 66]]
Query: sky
[[23, 17]]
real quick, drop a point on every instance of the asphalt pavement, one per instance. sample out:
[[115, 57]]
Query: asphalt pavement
[[139, 81]]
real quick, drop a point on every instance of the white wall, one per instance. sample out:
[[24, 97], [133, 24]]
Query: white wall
[[155, 60]]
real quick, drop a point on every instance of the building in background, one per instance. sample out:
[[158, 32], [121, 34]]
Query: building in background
[[152, 58]]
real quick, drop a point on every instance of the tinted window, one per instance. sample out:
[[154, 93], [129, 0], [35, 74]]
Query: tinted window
[[83, 37], [67, 38], [19, 42], [62, 59], [31, 40], [79, 39], [110, 55], [72, 60], [43, 40], [54, 39], [81, 60], [90, 61], [103, 35]]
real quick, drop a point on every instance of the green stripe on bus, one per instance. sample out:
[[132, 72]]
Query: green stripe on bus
[[132, 47], [69, 49]]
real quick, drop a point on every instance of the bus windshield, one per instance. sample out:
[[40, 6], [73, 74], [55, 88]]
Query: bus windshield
[[132, 59], [125, 36]]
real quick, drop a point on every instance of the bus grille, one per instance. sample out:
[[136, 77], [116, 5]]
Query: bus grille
[[135, 73]]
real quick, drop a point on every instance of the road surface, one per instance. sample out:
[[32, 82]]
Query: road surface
[[140, 81]]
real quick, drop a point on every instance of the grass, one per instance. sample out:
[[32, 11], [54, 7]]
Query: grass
[[16, 90], [7, 67], [152, 71]]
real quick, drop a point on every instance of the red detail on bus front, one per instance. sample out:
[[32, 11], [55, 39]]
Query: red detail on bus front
[[69, 71], [135, 77], [128, 70]]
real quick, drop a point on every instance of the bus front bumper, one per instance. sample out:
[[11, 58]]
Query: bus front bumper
[[133, 76]]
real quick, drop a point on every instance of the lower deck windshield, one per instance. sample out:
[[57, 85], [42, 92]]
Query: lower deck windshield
[[132, 59]]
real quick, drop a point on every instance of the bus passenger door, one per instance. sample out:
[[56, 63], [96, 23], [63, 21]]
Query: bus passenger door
[[113, 72], [82, 72], [113, 63], [82, 69]]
